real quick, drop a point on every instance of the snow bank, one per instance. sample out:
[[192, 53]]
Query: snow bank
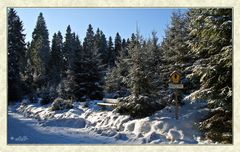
[[160, 128], [66, 122]]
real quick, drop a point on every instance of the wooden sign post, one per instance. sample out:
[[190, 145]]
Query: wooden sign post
[[175, 78], [176, 104]]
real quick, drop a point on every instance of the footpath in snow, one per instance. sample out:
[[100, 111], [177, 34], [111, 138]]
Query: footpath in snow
[[23, 130], [35, 124]]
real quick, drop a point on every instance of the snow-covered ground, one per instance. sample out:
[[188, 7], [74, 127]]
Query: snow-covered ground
[[33, 123], [29, 131]]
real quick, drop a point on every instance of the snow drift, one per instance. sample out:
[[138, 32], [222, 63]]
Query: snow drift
[[160, 128]]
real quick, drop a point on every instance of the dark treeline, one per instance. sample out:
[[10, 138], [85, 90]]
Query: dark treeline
[[198, 43]]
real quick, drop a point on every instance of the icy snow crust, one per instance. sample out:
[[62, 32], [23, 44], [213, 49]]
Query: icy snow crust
[[160, 128]]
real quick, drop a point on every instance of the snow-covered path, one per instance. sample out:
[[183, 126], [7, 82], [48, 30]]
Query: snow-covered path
[[24, 130], [36, 124]]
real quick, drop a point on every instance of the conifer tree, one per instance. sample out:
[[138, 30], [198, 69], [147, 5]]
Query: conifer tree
[[116, 77], [72, 51], [68, 50], [29, 73], [56, 59], [138, 82], [16, 55], [77, 45], [40, 52], [153, 56], [111, 53], [211, 39], [117, 45], [124, 46], [174, 44], [86, 75], [141, 79], [101, 45], [88, 43]]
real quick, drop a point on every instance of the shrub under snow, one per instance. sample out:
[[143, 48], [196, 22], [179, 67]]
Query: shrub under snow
[[138, 107], [60, 104]]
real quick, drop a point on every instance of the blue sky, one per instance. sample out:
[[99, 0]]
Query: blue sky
[[109, 20]]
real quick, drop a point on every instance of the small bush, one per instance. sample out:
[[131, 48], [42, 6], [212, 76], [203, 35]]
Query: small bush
[[60, 104], [138, 107], [67, 104], [56, 105]]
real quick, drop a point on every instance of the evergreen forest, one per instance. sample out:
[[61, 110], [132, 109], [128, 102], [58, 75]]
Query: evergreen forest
[[198, 43]]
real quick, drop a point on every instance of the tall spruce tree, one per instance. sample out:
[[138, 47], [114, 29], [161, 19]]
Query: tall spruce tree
[[136, 70], [211, 39], [77, 45], [16, 55], [153, 56], [76, 48], [101, 45], [72, 51], [40, 51], [138, 82], [68, 51], [125, 46], [111, 53], [88, 43], [174, 44], [117, 76], [86, 72], [117, 45], [56, 60], [141, 79], [29, 73]]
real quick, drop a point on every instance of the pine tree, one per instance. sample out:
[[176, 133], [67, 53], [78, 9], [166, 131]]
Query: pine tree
[[125, 47], [174, 44], [16, 55], [214, 42], [68, 51], [101, 45], [97, 39], [117, 45], [56, 60], [85, 78], [138, 82], [133, 39], [116, 78], [153, 56], [29, 73], [137, 69], [72, 51], [76, 48], [77, 45], [141, 79], [211, 38], [40, 52], [175, 51], [111, 53], [88, 44], [85, 75]]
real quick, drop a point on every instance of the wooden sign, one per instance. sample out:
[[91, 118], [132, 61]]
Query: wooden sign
[[175, 77], [175, 86]]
